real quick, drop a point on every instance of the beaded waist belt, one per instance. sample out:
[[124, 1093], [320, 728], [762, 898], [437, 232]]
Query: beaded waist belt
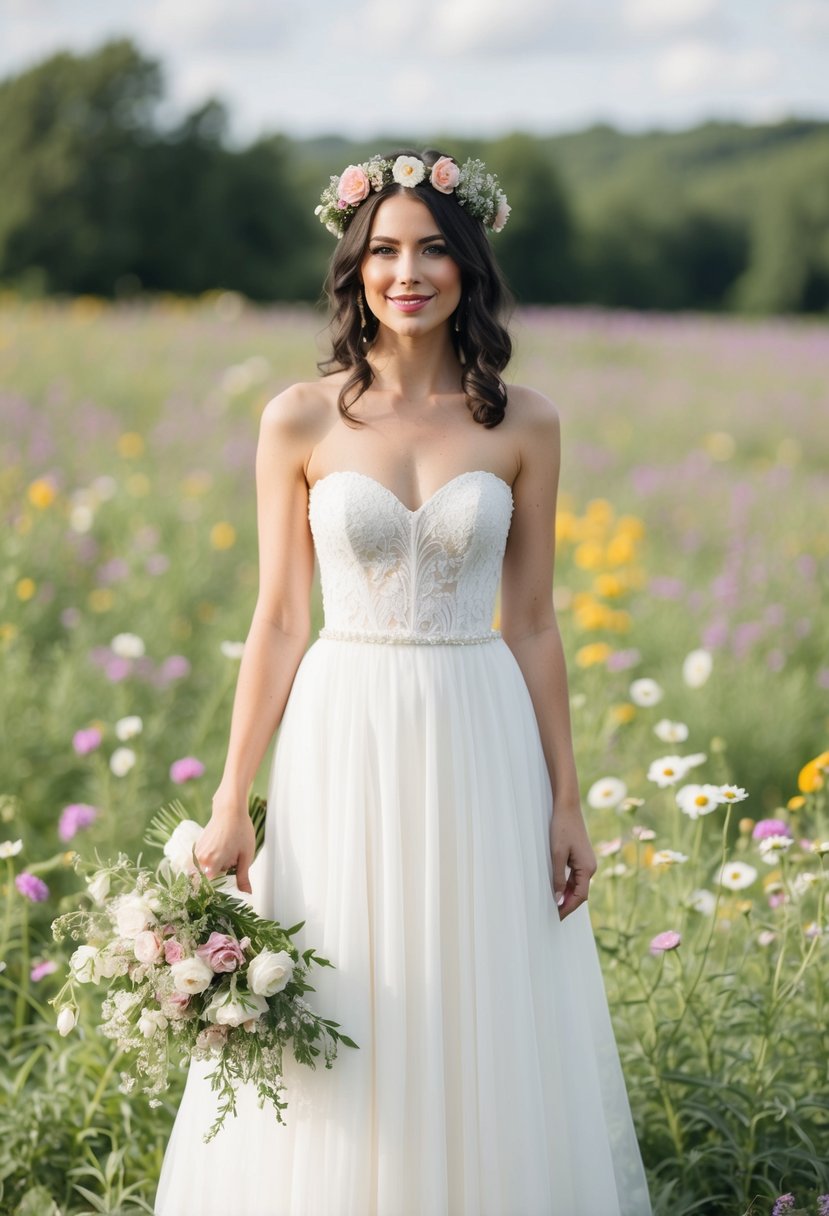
[[400, 637]]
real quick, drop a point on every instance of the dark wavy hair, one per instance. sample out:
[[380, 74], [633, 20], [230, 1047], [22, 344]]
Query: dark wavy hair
[[481, 340]]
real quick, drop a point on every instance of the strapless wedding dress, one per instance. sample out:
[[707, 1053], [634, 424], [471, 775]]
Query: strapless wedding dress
[[409, 806]]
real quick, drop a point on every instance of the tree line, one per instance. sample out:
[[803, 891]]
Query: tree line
[[100, 198]]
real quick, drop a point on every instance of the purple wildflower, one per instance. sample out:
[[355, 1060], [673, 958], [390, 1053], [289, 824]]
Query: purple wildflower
[[175, 667], [39, 970], [770, 827], [823, 1205], [74, 817], [186, 769], [669, 940], [86, 741], [785, 1203], [620, 660], [31, 886]]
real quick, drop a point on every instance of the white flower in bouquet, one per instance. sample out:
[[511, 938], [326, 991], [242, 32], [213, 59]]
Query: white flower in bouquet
[[191, 975], [84, 965], [98, 886], [179, 848], [147, 946], [226, 1009], [269, 972], [151, 1020], [67, 1021], [132, 914]]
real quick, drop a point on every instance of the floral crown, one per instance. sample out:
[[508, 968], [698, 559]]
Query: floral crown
[[475, 189]]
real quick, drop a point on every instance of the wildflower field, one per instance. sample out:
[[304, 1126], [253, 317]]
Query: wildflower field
[[692, 590]]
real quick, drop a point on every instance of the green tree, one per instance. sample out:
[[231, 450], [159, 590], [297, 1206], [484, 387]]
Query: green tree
[[536, 248]]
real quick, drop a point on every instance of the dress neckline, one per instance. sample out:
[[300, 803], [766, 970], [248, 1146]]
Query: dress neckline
[[400, 503]]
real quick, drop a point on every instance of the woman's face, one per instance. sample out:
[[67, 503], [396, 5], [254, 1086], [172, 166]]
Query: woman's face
[[411, 283]]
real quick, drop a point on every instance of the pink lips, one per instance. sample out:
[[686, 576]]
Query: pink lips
[[408, 303]]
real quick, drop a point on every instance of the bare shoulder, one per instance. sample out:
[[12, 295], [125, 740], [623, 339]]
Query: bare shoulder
[[536, 422], [293, 421]]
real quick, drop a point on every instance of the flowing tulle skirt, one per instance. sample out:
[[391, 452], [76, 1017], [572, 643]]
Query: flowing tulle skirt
[[408, 825]]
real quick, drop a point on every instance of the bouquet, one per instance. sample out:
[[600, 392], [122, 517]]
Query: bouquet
[[191, 970]]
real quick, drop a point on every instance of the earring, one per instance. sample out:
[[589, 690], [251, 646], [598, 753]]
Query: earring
[[458, 318], [361, 309]]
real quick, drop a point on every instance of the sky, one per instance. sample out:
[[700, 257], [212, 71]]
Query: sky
[[465, 67]]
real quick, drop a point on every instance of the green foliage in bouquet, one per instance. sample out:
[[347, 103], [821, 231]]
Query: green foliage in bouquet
[[191, 970]]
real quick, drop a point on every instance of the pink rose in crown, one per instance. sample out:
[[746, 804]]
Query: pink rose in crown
[[173, 951], [445, 175], [353, 186], [502, 214], [221, 952]]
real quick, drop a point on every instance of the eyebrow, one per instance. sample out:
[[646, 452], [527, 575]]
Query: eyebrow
[[390, 240]]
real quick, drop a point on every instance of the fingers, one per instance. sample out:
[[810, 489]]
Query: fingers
[[243, 878]]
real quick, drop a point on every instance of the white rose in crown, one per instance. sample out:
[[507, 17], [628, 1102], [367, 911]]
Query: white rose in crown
[[84, 965], [225, 1010], [191, 975], [179, 848], [269, 972], [133, 914]]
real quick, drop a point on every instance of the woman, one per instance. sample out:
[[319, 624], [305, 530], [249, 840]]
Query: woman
[[423, 804]]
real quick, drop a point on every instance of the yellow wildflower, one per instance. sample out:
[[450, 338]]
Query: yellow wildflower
[[26, 587], [594, 652], [810, 777], [623, 712], [130, 445], [223, 535], [41, 493]]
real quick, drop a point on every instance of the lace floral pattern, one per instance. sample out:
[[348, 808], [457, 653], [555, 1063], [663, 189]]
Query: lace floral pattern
[[426, 574]]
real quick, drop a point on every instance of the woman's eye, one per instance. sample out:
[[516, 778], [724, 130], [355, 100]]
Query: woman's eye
[[382, 249], [436, 249]]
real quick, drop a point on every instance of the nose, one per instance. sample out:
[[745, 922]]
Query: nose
[[407, 271]]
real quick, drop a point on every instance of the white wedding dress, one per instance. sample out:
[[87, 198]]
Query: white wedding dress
[[408, 814]]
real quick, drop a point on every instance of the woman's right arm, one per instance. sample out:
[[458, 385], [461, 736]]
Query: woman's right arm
[[279, 631]]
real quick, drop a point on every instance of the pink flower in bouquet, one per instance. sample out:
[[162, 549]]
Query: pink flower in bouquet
[[212, 1036], [221, 952], [176, 1004], [186, 769], [85, 741], [173, 951]]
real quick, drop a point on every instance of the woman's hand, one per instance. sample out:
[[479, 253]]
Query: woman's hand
[[570, 846], [228, 841]]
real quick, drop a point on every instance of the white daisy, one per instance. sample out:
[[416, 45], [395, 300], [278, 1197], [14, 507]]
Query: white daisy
[[696, 800], [640, 833], [645, 692], [10, 848], [129, 727], [697, 667], [232, 650], [606, 792], [771, 847], [121, 761], [670, 732], [667, 770], [668, 857], [803, 882], [127, 646], [702, 900], [695, 759], [606, 848], [736, 875], [732, 793], [615, 871], [765, 937]]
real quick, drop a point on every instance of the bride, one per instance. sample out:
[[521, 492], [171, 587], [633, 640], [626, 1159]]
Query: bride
[[424, 814]]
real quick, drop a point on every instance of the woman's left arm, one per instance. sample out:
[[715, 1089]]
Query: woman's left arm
[[530, 629]]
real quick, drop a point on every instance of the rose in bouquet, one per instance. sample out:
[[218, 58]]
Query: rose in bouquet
[[192, 971]]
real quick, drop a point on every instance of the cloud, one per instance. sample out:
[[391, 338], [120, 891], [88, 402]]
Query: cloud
[[656, 16], [692, 66]]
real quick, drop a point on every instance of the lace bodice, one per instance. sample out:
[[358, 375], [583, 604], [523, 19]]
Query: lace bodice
[[392, 574]]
